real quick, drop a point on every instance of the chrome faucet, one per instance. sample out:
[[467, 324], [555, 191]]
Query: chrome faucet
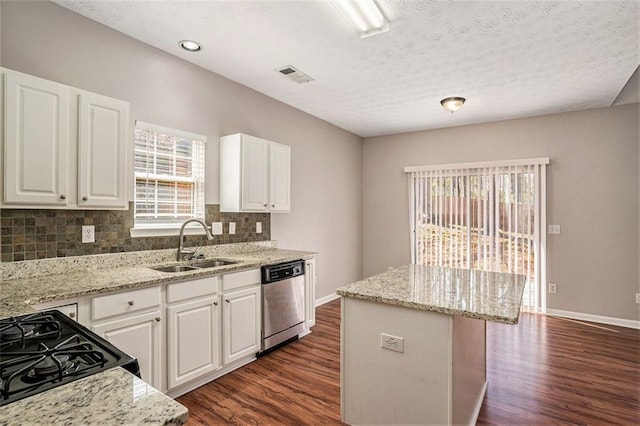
[[184, 253]]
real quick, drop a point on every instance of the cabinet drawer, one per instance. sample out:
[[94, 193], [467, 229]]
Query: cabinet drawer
[[122, 303], [190, 289], [240, 279]]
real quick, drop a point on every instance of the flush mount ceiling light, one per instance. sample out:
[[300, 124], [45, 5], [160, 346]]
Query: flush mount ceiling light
[[452, 104], [365, 16], [190, 45]]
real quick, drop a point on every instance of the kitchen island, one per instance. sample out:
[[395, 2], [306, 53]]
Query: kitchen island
[[413, 343]]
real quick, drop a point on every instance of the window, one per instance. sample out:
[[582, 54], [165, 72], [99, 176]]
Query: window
[[169, 174], [487, 216]]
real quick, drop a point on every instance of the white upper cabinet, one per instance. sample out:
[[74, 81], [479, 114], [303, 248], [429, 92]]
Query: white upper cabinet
[[279, 178], [36, 138], [255, 175], [63, 147], [102, 151]]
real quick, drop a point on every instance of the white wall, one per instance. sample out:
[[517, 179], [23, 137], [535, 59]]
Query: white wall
[[592, 192], [46, 40]]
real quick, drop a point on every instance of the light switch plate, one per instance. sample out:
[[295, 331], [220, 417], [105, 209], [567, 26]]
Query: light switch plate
[[216, 228], [232, 227], [258, 227], [554, 229]]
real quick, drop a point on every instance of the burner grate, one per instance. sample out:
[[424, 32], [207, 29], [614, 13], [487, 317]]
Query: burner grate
[[17, 331], [29, 370]]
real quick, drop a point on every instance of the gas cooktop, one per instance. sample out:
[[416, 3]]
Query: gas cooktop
[[47, 349]]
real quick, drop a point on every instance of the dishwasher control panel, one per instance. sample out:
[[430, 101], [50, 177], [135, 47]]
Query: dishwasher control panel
[[282, 271]]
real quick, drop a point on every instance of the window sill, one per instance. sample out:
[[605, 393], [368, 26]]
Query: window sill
[[165, 232]]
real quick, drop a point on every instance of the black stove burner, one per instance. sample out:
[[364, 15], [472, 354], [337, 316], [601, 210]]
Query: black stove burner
[[14, 332], [45, 350]]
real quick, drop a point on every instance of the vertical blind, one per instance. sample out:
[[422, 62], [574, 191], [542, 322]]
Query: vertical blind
[[169, 174], [487, 216]]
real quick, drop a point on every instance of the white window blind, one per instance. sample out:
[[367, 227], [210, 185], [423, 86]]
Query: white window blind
[[169, 174], [487, 216]]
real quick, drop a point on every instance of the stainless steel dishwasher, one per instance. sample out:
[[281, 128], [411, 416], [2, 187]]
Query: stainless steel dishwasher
[[282, 303]]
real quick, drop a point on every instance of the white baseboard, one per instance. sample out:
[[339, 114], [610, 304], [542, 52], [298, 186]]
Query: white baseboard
[[327, 299], [476, 409], [620, 322]]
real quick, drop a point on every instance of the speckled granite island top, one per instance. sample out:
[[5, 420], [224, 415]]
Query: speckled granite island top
[[131, 402], [482, 295]]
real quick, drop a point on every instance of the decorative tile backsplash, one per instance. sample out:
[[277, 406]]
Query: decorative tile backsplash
[[28, 234]]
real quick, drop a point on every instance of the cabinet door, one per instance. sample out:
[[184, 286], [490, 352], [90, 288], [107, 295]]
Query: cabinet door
[[102, 151], [279, 178], [254, 174], [36, 141], [241, 324], [194, 347], [139, 336], [310, 293]]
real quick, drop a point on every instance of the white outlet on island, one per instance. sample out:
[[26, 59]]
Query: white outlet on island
[[232, 228], [258, 227]]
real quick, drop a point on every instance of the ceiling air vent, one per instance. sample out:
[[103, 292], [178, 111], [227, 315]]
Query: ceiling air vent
[[295, 74]]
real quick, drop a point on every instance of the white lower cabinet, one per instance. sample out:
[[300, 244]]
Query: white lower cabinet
[[132, 321], [213, 326], [193, 331], [141, 337], [310, 293], [241, 323]]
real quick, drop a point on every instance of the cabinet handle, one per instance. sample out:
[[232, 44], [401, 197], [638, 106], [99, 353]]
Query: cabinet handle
[[215, 303], [85, 198], [265, 204], [158, 319], [227, 300], [72, 314], [63, 197], [273, 205], [130, 302]]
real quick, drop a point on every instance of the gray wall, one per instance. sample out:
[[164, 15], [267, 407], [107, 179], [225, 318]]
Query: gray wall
[[592, 192], [46, 40]]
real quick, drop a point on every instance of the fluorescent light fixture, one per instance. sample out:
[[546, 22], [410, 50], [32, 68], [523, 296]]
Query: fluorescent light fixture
[[190, 45], [452, 104], [364, 15]]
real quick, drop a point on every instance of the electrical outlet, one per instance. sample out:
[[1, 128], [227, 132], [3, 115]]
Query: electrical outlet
[[638, 298], [552, 288], [88, 234], [258, 227], [216, 228], [232, 227], [554, 229], [393, 343]]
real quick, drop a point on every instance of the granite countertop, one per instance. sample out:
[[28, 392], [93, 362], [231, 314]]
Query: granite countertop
[[114, 396], [17, 296], [476, 294], [131, 402]]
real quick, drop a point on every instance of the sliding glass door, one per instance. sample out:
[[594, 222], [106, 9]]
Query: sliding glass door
[[487, 216]]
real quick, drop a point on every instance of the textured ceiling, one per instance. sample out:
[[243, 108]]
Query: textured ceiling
[[508, 58]]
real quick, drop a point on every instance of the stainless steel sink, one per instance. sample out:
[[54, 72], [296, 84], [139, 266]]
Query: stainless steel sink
[[177, 268], [212, 263]]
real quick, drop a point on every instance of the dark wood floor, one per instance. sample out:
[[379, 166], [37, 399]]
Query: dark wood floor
[[544, 370]]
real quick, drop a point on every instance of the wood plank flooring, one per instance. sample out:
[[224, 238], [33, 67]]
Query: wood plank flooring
[[544, 370]]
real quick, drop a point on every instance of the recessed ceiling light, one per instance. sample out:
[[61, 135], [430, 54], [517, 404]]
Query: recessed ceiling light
[[452, 104], [190, 45]]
